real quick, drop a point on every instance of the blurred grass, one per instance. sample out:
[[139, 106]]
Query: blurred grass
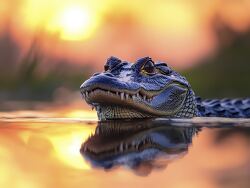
[[30, 80]]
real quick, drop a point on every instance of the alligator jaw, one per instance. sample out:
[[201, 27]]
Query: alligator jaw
[[135, 104], [139, 94], [94, 94]]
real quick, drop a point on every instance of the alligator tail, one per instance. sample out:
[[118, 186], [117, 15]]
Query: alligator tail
[[231, 108]]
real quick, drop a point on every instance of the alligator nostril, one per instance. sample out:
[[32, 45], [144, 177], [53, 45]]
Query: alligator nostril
[[96, 74], [109, 74]]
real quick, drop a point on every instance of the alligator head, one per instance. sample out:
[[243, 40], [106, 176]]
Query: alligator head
[[136, 144], [142, 89]]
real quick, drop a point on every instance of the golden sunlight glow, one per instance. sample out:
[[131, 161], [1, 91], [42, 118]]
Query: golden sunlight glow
[[69, 20], [66, 144], [67, 148], [78, 113], [176, 17], [128, 25], [75, 23]]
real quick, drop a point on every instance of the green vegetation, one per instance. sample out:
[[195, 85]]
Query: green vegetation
[[227, 74], [31, 80]]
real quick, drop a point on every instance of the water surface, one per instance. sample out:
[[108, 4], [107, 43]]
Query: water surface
[[51, 152]]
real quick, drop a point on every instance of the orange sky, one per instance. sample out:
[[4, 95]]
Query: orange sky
[[179, 32]]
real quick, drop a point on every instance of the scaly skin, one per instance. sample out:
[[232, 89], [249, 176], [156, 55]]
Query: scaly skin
[[148, 89]]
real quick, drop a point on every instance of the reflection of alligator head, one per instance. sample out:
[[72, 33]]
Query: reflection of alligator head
[[137, 144]]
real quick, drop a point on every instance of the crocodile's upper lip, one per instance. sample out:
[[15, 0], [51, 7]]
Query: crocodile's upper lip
[[91, 92], [139, 99], [140, 93]]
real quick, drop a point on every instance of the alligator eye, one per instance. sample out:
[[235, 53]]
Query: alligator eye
[[149, 67], [106, 67]]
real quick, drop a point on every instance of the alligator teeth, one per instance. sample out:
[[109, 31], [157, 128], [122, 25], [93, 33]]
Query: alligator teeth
[[133, 97], [83, 95], [122, 95], [84, 148], [97, 131], [121, 147], [137, 146], [133, 143], [126, 146]]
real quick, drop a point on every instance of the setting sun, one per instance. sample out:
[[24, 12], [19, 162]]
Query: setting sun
[[75, 23], [67, 20]]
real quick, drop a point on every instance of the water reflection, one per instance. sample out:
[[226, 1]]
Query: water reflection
[[140, 145], [44, 152]]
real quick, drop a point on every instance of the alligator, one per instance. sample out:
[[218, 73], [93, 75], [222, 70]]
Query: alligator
[[140, 144], [148, 89]]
